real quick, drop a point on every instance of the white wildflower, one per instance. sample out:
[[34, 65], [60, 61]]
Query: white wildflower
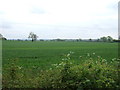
[[50, 68], [80, 56], [19, 67], [88, 54], [68, 55], [71, 52]]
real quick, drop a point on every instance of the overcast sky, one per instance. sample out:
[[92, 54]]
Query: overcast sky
[[59, 18]]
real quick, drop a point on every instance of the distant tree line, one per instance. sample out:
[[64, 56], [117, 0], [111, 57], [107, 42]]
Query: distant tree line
[[34, 37], [106, 39], [102, 39]]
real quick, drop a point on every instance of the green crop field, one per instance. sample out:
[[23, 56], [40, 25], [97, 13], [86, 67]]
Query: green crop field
[[45, 53], [58, 64]]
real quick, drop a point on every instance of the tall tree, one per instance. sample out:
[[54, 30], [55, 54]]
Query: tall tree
[[110, 39], [33, 36]]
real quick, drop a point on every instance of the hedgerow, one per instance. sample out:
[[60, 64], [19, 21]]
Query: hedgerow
[[90, 73]]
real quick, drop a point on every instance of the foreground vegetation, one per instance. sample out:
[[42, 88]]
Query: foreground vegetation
[[47, 65], [89, 73]]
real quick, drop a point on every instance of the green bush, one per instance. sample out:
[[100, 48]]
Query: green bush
[[92, 73], [89, 74]]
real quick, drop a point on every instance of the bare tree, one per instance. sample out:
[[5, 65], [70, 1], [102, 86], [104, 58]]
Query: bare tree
[[33, 36]]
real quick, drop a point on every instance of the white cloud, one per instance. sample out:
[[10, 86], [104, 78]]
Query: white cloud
[[59, 18]]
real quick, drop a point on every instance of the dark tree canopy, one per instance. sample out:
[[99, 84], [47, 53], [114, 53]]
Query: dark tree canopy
[[106, 39]]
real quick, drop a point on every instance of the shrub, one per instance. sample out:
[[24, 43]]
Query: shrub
[[91, 74], [88, 74]]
